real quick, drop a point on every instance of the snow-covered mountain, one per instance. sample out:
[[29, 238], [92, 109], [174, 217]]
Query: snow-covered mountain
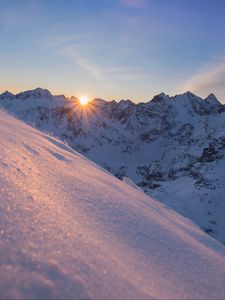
[[69, 229], [171, 147]]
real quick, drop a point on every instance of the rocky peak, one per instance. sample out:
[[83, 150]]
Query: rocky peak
[[159, 98], [6, 95], [190, 95], [211, 99], [36, 93]]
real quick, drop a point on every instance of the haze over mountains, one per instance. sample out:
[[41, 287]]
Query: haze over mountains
[[171, 147]]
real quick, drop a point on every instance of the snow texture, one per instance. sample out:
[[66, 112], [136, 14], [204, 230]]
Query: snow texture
[[68, 229]]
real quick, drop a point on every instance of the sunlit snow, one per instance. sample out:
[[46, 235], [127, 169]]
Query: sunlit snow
[[68, 229]]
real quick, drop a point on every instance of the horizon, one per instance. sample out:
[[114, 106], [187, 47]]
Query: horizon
[[108, 100], [115, 49]]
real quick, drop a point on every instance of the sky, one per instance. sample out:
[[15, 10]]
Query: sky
[[113, 49]]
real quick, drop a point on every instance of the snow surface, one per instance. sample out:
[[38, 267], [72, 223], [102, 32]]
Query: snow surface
[[68, 229]]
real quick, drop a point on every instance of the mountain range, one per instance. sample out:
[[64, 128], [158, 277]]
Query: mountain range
[[171, 147]]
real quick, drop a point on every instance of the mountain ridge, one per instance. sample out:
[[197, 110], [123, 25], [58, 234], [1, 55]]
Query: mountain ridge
[[171, 147], [37, 92]]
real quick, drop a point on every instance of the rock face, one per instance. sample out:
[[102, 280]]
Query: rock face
[[172, 147]]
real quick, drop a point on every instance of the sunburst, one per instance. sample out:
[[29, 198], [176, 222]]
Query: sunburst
[[83, 100]]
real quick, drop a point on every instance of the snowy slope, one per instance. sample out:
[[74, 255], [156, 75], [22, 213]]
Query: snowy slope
[[69, 229], [171, 147]]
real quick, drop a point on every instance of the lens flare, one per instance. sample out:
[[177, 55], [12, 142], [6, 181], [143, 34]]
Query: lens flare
[[83, 100]]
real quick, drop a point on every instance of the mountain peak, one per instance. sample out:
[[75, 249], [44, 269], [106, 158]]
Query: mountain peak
[[123, 104], [160, 97], [6, 94], [212, 99], [190, 95], [41, 90], [36, 93]]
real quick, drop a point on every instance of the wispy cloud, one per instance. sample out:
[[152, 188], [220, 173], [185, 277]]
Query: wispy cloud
[[93, 68], [102, 72], [57, 41], [125, 72], [71, 47], [73, 52], [210, 78]]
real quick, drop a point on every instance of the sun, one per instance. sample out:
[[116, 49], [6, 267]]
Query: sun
[[83, 100]]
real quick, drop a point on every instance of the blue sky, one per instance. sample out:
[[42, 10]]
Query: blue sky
[[113, 49]]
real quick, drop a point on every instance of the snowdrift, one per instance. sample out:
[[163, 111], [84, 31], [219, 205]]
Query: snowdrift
[[68, 229]]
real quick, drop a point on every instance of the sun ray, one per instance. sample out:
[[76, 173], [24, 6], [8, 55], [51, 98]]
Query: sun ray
[[83, 100]]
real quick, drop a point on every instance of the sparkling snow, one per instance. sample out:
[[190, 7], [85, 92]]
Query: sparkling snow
[[68, 229]]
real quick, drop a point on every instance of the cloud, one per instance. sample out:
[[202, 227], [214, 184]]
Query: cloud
[[104, 73], [57, 41], [72, 46], [209, 79], [125, 72], [93, 68], [73, 52]]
